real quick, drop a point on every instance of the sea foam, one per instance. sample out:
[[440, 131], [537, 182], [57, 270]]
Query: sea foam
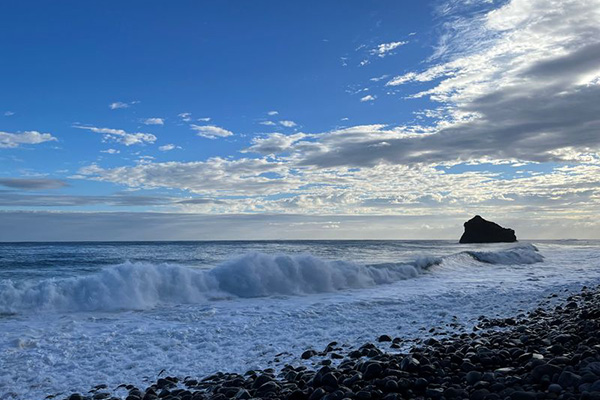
[[138, 286]]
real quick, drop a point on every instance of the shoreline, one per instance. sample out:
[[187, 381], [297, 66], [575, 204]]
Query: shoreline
[[552, 352]]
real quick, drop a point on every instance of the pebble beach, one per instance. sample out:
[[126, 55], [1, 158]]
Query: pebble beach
[[552, 352]]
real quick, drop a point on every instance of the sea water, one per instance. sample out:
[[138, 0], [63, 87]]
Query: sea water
[[74, 315]]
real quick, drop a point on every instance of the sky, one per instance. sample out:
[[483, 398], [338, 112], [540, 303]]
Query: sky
[[154, 120]]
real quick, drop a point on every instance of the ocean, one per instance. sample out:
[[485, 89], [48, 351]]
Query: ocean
[[75, 315]]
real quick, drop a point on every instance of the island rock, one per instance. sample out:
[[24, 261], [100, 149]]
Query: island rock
[[478, 230]]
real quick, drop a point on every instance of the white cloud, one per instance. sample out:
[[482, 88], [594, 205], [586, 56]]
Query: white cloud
[[368, 98], [186, 116], [275, 143], [379, 78], [267, 123], [211, 131], [384, 49], [116, 105], [8, 113], [287, 123], [154, 121], [168, 147], [380, 189], [110, 151], [13, 140], [408, 77], [121, 136], [271, 113], [216, 176], [119, 104], [205, 119], [519, 82]]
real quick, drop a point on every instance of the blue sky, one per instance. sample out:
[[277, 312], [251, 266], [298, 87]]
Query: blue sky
[[303, 112]]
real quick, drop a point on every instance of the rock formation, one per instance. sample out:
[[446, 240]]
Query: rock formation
[[478, 230]]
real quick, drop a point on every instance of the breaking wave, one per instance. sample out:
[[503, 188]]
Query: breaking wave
[[524, 254], [135, 286]]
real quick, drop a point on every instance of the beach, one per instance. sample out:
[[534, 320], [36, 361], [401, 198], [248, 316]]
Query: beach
[[550, 353], [77, 315]]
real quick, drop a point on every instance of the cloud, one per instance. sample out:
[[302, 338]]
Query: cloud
[[210, 131], [286, 183], [186, 116], [368, 98], [266, 185], [275, 143], [205, 119], [201, 200], [168, 147], [119, 104], [9, 113], [409, 77], [287, 123], [32, 184], [13, 140], [154, 121], [271, 113], [8, 199], [340, 147], [215, 176], [110, 151], [379, 78], [528, 91], [385, 49], [121, 136]]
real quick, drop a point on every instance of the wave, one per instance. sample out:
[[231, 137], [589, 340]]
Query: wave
[[523, 254], [125, 286], [138, 286]]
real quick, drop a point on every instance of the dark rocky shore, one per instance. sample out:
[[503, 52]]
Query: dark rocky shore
[[546, 354]]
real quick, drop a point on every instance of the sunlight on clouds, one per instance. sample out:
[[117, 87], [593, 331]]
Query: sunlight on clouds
[[271, 185]]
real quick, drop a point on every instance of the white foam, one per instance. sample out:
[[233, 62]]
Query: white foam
[[141, 286], [257, 274], [523, 254], [44, 353], [126, 286]]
